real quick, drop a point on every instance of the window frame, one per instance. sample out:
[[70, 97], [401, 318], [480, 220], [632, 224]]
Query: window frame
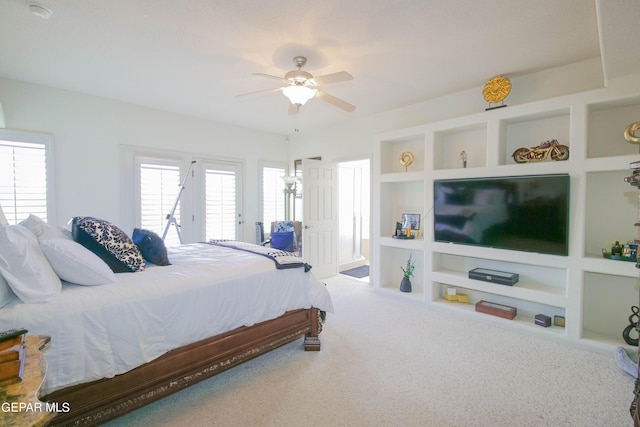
[[160, 161], [46, 140], [130, 182]]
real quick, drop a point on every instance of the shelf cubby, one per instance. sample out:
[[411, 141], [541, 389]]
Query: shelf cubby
[[606, 124], [606, 306], [611, 211], [526, 310], [391, 273], [543, 284], [391, 152], [449, 145], [400, 197], [532, 130]]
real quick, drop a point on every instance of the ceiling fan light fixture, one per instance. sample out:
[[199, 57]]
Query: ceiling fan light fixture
[[298, 94]]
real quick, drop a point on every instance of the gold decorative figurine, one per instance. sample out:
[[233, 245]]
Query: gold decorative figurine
[[496, 90], [406, 159], [630, 133]]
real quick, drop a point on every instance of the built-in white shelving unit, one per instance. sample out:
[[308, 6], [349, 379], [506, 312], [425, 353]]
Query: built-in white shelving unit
[[592, 293]]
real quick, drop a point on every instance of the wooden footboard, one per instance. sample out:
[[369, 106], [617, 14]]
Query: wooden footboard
[[99, 401]]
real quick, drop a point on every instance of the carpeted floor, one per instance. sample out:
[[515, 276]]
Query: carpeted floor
[[386, 362]]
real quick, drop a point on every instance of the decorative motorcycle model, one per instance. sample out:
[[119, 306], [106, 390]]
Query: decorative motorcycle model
[[541, 152]]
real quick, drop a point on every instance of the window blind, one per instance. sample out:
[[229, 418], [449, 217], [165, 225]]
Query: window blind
[[220, 206], [272, 194], [159, 189], [23, 180]]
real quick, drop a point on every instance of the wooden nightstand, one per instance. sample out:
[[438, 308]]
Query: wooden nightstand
[[20, 403]]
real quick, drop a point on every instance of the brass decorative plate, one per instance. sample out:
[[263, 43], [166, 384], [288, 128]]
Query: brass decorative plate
[[496, 89]]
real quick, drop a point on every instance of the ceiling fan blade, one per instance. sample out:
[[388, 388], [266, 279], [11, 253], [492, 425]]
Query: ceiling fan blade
[[335, 101], [294, 109], [269, 76], [258, 91], [341, 76]]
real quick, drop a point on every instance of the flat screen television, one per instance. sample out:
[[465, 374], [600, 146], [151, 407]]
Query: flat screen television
[[523, 213]]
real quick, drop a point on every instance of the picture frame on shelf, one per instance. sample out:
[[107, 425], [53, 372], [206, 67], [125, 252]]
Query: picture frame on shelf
[[411, 221]]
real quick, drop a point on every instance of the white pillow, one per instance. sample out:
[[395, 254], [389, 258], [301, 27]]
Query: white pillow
[[71, 261], [24, 266], [74, 263], [6, 294], [3, 219], [39, 228]]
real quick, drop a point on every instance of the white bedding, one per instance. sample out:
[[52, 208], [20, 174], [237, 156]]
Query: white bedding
[[101, 331]]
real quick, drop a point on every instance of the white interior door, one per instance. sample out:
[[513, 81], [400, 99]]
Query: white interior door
[[320, 216]]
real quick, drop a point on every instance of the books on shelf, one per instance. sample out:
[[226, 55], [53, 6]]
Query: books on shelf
[[12, 356]]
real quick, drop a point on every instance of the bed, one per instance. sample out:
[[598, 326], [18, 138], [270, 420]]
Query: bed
[[118, 346]]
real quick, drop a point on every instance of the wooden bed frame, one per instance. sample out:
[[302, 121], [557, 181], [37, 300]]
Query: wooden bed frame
[[99, 401]]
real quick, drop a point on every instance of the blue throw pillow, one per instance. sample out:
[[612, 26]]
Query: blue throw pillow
[[151, 246], [282, 240]]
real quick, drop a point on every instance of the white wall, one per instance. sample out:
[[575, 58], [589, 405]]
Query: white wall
[[88, 131], [354, 139]]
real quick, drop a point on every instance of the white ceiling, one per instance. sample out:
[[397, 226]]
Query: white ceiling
[[193, 57]]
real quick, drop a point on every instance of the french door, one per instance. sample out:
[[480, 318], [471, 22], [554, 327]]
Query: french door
[[219, 200]]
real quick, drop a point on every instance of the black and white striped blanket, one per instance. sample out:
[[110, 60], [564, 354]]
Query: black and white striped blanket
[[282, 259]]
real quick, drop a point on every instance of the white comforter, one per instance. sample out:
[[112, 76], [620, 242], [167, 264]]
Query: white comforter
[[101, 331]]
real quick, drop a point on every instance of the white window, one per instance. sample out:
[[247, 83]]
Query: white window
[[159, 190], [272, 194], [23, 176], [222, 210]]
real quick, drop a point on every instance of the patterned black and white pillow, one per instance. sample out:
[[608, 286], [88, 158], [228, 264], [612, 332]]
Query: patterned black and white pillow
[[109, 242]]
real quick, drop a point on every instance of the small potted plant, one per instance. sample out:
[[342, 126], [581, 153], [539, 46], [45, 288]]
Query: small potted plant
[[405, 285]]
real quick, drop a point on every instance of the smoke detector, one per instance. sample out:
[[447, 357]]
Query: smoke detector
[[40, 11]]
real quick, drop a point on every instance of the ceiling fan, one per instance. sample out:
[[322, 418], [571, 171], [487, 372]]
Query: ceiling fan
[[302, 86]]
